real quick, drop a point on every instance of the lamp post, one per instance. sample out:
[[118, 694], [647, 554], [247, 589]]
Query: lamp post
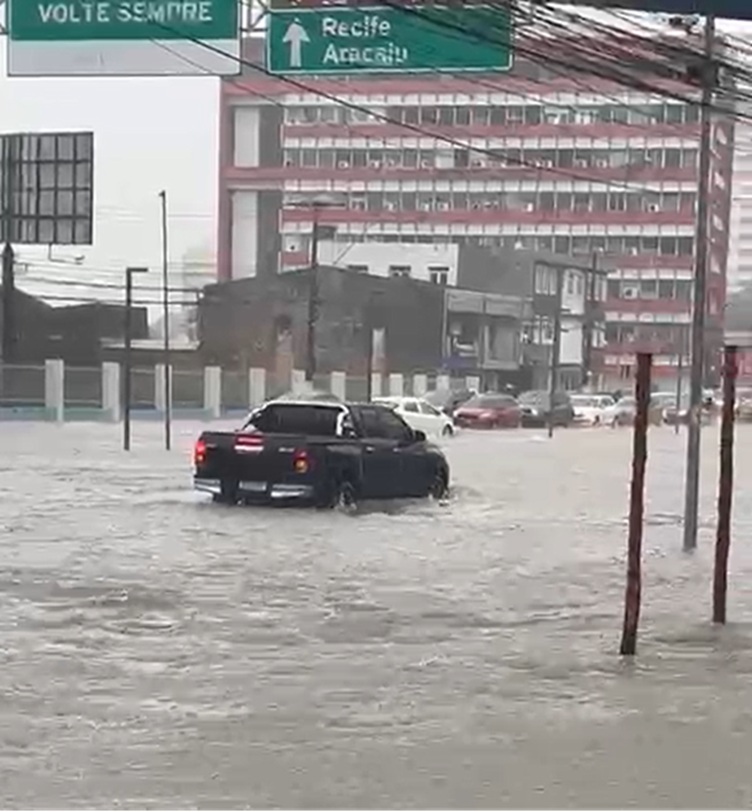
[[166, 320], [129, 272]]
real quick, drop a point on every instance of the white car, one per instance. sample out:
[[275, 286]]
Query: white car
[[420, 414], [594, 410]]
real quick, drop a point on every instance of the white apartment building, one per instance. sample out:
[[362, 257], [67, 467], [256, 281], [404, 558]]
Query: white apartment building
[[435, 263]]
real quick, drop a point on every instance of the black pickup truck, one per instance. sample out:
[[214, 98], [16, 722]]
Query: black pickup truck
[[322, 453]]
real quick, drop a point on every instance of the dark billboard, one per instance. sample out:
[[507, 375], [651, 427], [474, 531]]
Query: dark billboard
[[46, 188]]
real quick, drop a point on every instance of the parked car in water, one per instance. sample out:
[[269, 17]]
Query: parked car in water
[[743, 408], [449, 400], [626, 407], [536, 409], [420, 414], [673, 414], [489, 411], [593, 410]]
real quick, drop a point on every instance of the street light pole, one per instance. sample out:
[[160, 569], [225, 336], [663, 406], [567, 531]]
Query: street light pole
[[553, 384], [127, 355], [166, 320], [692, 482], [313, 298]]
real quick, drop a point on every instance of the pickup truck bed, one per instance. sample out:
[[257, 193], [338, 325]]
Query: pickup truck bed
[[271, 460]]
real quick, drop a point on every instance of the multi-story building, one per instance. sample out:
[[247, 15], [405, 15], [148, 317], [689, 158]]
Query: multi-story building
[[540, 159], [740, 233]]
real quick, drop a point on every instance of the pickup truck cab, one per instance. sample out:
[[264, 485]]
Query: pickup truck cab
[[322, 453]]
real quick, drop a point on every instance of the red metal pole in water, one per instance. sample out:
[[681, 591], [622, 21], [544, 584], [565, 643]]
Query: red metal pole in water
[[636, 505], [725, 486]]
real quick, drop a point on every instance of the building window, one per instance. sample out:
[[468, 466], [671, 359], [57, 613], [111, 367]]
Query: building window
[[438, 274], [570, 284], [400, 271]]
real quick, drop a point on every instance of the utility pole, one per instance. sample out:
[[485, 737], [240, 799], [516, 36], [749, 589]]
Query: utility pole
[[587, 355], [9, 297], [127, 361], [166, 320], [553, 384], [692, 482], [679, 375], [313, 298], [7, 173]]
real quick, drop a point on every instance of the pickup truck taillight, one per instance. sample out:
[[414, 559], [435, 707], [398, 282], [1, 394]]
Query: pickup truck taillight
[[301, 462], [199, 452]]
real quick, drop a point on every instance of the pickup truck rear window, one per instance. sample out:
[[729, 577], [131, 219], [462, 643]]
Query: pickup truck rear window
[[291, 418]]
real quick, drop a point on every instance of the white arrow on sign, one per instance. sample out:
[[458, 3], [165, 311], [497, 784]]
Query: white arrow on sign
[[295, 36]]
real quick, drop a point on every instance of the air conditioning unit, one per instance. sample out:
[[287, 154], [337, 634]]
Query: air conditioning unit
[[442, 205], [343, 164], [546, 164], [602, 163], [629, 293], [653, 207], [390, 205], [580, 163]]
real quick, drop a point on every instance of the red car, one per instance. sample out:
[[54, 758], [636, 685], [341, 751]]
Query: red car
[[489, 411]]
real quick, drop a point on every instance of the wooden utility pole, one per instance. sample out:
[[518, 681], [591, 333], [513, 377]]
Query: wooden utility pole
[[636, 506], [725, 486]]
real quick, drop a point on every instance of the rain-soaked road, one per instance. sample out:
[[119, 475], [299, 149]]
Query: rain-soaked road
[[157, 650]]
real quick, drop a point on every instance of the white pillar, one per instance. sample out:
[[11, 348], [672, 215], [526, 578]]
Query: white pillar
[[256, 386], [375, 384], [442, 383], [299, 384], [159, 387], [54, 388], [396, 384], [420, 385], [212, 392], [338, 384], [111, 391], [472, 382]]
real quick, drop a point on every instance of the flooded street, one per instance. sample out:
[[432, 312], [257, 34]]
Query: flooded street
[[158, 650]]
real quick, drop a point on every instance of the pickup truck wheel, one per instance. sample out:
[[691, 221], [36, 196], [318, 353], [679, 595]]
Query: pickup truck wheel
[[228, 494], [345, 497], [439, 487]]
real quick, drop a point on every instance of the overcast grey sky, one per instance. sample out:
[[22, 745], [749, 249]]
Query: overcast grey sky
[[149, 134]]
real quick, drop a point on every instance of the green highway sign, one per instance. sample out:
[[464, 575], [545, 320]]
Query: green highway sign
[[51, 21], [387, 39]]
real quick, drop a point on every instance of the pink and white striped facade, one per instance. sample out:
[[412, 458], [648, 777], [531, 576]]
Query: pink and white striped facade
[[575, 165]]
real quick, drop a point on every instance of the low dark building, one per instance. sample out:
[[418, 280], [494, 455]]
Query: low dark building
[[497, 323], [73, 333], [262, 322]]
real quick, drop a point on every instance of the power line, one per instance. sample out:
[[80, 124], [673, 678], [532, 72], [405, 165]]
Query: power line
[[497, 154]]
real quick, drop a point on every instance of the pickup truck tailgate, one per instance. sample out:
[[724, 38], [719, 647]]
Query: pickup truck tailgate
[[254, 459]]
